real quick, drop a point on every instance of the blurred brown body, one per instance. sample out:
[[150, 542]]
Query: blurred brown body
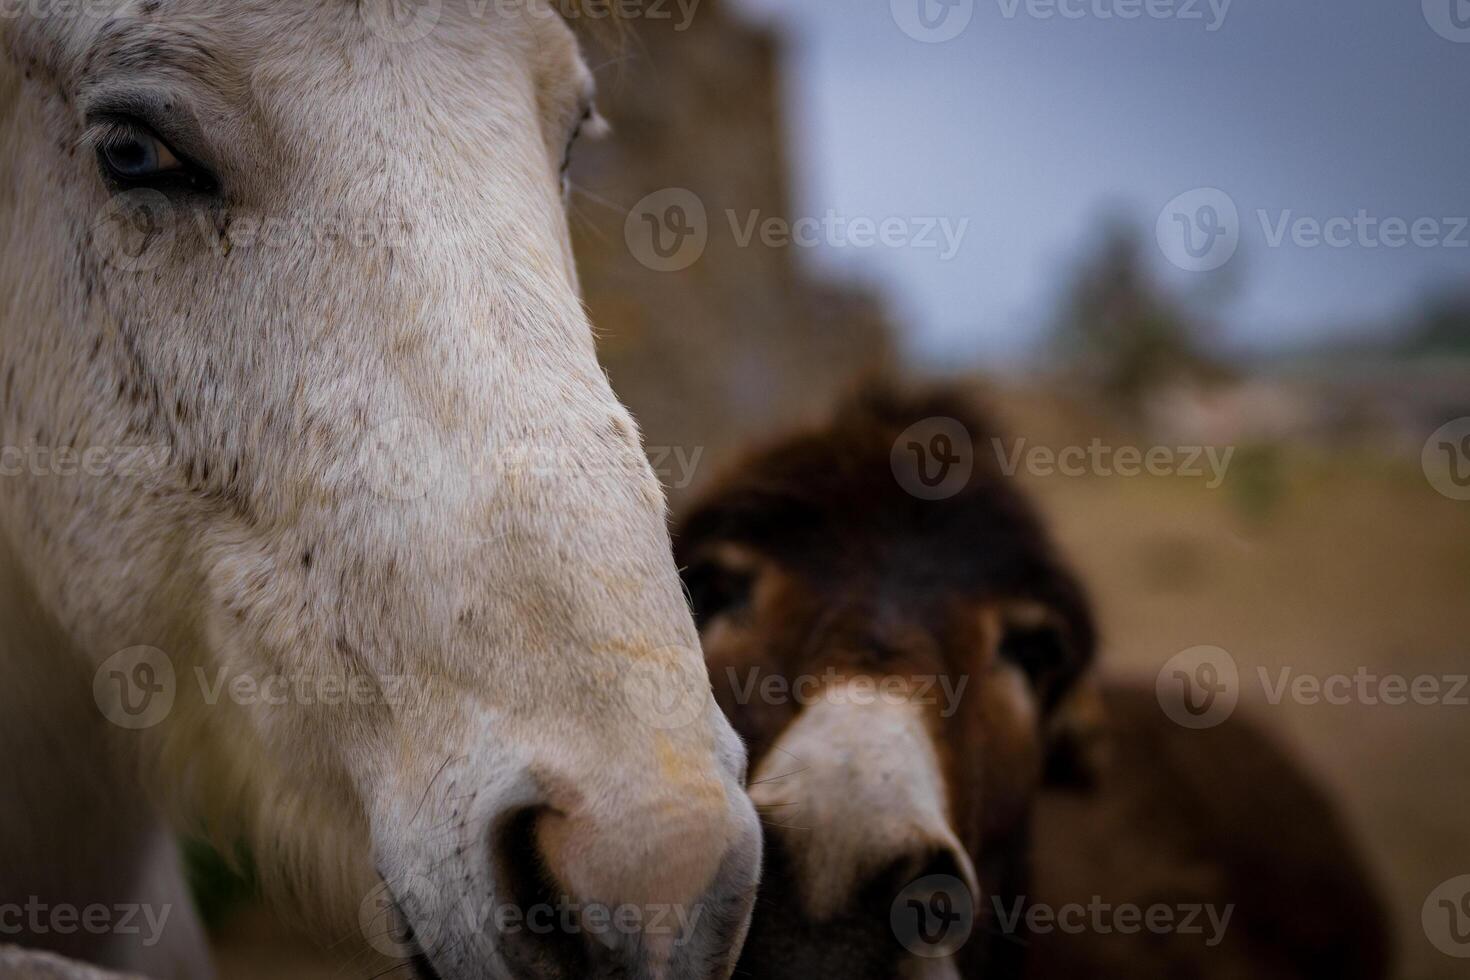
[[1216, 817], [812, 560]]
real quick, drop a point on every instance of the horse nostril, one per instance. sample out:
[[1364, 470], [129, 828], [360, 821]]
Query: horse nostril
[[924, 872], [942, 864], [535, 938], [651, 887]]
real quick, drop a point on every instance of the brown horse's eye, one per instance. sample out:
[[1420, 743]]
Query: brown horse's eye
[[1042, 654], [717, 590]]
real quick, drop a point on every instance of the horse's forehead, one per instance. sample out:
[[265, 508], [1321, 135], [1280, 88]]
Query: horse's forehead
[[275, 88], [204, 39]]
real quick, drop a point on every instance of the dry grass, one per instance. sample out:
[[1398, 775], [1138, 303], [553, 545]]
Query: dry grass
[[1350, 567]]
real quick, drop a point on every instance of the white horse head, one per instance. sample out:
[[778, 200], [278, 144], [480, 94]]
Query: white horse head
[[307, 451]]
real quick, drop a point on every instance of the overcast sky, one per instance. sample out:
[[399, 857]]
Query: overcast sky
[[1039, 117]]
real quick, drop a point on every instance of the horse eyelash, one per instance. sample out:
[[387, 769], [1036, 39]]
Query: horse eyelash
[[116, 129], [107, 132], [97, 136]]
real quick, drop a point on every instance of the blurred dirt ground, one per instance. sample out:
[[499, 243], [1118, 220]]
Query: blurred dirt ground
[[1320, 567], [1343, 566]]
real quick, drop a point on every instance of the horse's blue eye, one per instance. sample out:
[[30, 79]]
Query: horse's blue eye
[[138, 156], [133, 157]]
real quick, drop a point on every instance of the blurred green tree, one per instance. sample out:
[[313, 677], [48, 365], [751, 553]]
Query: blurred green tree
[[1443, 325], [1120, 334]]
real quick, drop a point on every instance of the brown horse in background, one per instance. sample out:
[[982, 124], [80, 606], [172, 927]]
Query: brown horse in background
[[903, 826], [813, 565]]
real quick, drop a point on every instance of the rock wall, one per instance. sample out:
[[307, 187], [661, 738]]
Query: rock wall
[[744, 340]]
